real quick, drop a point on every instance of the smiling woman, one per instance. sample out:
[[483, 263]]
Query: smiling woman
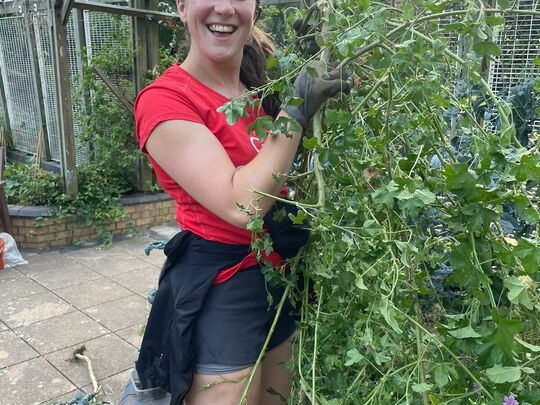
[[211, 317]]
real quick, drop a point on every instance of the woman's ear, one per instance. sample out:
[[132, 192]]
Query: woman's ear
[[181, 5]]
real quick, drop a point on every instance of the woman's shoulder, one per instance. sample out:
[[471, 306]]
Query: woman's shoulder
[[172, 80]]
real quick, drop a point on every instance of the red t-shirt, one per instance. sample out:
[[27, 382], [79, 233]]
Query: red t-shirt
[[177, 95]]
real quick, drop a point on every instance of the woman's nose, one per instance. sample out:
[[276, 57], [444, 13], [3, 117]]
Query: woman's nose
[[224, 7]]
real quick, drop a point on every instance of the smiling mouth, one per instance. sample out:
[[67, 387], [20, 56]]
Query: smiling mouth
[[221, 28]]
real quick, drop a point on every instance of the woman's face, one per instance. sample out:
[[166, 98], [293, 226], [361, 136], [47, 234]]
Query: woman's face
[[218, 29]]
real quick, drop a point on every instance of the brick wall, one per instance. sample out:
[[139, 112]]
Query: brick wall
[[143, 211]]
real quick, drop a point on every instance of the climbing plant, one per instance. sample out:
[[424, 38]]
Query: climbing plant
[[422, 200]]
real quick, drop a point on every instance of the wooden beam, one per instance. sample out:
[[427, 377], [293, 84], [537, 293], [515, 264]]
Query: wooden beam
[[65, 112], [128, 105], [5, 111], [36, 77], [67, 6], [142, 32], [129, 11]]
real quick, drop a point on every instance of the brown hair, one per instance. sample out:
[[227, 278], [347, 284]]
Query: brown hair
[[253, 67]]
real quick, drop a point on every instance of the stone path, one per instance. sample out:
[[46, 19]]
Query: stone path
[[65, 299]]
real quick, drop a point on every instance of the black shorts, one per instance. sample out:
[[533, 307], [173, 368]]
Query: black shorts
[[235, 320]]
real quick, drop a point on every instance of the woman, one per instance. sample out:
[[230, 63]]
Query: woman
[[210, 316]]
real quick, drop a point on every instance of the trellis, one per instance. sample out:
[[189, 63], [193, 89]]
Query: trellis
[[41, 60]]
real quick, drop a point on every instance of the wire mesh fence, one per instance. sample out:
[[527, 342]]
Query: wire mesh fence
[[519, 41], [18, 77], [47, 77], [98, 33]]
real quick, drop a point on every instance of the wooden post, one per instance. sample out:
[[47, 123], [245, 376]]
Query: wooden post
[[7, 129], [65, 112], [34, 63], [146, 41]]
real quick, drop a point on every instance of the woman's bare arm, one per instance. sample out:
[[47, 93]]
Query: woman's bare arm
[[195, 159]]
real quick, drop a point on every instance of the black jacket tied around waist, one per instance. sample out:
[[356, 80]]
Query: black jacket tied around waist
[[167, 354]]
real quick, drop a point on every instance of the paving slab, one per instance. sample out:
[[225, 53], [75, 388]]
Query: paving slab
[[14, 350], [132, 334], [109, 354], [61, 331], [140, 280], [3, 327], [32, 382], [9, 273], [111, 387], [19, 287], [93, 293], [89, 254], [116, 264], [46, 261], [121, 313], [55, 279], [62, 399], [134, 246], [155, 258], [27, 310]]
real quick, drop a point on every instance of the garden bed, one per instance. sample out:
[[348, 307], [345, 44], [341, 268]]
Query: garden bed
[[33, 228]]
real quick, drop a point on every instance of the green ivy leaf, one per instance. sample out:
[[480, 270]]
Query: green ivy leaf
[[422, 387], [493, 20], [504, 4], [233, 110], [261, 127], [353, 357], [310, 142], [363, 4], [389, 314], [459, 179], [531, 347], [464, 333], [487, 48], [441, 374], [517, 293], [295, 101], [499, 374], [503, 336], [385, 195], [272, 62], [529, 256]]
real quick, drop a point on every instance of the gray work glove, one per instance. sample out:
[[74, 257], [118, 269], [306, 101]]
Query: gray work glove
[[315, 91]]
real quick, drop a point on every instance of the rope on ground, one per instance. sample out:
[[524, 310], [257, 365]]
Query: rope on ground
[[80, 397]]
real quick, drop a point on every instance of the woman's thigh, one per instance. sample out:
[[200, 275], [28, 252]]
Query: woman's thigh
[[275, 378], [225, 389]]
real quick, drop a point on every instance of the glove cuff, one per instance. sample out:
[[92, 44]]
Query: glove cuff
[[295, 113]]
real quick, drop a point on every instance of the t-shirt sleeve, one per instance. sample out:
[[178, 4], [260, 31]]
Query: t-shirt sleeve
[[156, 104]]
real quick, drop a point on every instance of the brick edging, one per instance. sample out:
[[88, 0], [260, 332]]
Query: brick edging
[[141, 211]]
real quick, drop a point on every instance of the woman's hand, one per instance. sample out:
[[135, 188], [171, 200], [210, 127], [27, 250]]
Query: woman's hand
[[315, 90]]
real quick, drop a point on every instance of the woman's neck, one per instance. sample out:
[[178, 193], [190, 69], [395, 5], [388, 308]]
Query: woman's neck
[[221, 77]]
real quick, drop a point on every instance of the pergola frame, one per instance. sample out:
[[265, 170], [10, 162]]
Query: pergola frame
[[146, 40]]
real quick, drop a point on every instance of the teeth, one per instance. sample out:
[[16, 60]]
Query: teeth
[[221, 28]]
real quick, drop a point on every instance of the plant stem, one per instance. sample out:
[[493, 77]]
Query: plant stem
[[451, 353], [317, 119], [243, 398], [479, 268], [368, 96], [421, 368], [314, 359]]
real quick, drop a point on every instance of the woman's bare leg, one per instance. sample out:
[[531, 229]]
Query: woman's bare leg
[[274, 376], [224, 389]]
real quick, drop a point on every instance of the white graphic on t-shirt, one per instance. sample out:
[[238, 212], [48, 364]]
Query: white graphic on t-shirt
[[254, 139]]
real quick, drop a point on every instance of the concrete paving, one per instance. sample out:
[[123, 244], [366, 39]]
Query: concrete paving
[[63, 300]]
